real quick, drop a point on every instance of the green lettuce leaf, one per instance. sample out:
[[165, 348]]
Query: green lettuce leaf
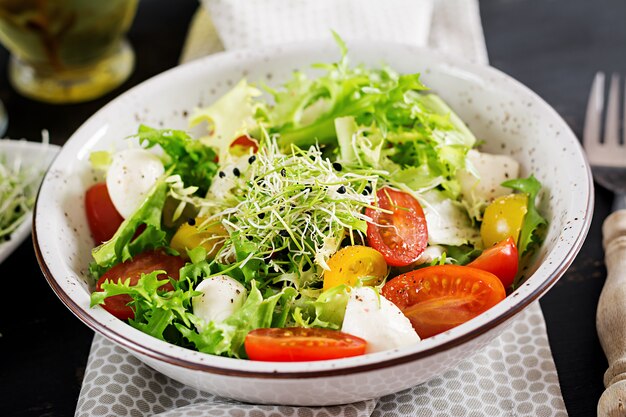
[[192, 159], [228, 118], [462, 255], [326, 311], [100, 160], [155, 310]]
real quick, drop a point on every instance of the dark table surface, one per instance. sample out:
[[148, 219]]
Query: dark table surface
[[552, 46]]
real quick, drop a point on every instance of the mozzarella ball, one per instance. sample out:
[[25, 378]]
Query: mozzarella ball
[[129, 178], [378, 321], [221, 297]]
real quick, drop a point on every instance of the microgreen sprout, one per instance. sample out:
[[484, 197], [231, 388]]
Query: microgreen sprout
[[295, 207], [18, 185]]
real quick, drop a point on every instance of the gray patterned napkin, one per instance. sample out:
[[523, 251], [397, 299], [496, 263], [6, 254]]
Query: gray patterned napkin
[[514, 376]]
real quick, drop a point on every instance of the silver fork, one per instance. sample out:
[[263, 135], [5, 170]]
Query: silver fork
[[607, 156]]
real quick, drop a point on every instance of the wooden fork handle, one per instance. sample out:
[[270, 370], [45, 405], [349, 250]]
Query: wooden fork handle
[[611, 316]]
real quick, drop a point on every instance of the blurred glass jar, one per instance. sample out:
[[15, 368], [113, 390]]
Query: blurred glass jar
[[65, 51]]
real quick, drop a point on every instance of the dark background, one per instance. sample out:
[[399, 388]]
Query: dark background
[[552, 46]]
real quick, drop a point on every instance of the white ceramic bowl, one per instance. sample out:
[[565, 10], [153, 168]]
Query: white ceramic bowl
[[508, 116], [31, 155]]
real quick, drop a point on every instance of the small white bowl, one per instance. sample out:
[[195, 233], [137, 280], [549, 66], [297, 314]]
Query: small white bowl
[[36, 156], [508, 116]]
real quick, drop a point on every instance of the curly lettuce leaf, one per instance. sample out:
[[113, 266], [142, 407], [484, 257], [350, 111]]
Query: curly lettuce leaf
[[341, 91], [378, 119], [228, 118], [155, 310], [325, 311], [192, 159], [461, 255], [435, 146]]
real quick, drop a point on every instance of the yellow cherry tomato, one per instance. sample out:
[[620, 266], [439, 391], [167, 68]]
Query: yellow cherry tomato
[[354, 263], [503, 218], [198, 232]]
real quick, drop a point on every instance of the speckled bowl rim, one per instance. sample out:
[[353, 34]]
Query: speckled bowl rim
[[156, 349]]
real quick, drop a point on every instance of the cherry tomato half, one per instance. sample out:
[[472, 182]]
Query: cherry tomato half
[[401, 236], [501, 260], [295, 344], [242, 143], [438, 298], [102, 217], [145, 263]]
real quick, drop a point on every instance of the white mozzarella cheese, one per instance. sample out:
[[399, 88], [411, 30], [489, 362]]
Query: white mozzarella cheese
[[221, 297], [129, 178], [431, 253], [448, 223], [377, 320]]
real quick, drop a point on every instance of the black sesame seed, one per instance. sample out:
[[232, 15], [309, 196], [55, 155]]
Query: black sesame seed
[[337, 166], [249, 237], [191, 222], [252, 159], [222, 174], [236, 172], [283, 172], [341, 190], [284, 233], [261, 215], [368, 189]]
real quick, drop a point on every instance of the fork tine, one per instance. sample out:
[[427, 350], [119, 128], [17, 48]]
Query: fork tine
[[591, 131], [624, 118], [611, 124]]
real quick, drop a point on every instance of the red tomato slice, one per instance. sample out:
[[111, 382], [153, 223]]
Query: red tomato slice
[[245, 142], [295, 344], [143, 263], [402, 235], [438, 298], [102, 217], [501, 260]]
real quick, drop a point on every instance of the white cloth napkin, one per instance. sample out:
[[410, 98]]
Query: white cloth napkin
[[245, 24], [449, 26], [514, 376]]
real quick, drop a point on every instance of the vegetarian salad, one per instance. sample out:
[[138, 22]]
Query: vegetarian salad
[[330, 217]]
